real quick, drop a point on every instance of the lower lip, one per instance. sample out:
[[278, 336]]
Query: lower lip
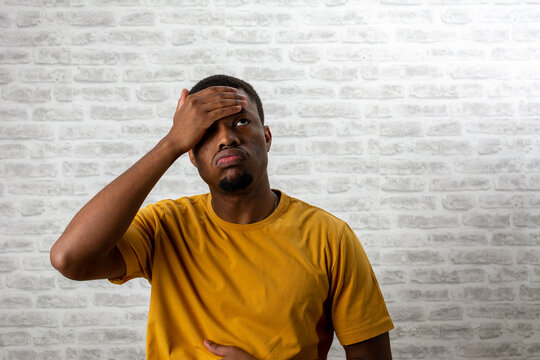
[[229, 160]]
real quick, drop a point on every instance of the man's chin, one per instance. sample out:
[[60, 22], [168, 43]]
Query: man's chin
[[235, 182]]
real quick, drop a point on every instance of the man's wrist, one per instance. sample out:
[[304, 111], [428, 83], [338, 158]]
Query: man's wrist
[[171, 148]]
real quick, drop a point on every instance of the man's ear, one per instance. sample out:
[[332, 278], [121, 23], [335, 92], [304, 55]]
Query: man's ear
[[267, 137], [192, 158]]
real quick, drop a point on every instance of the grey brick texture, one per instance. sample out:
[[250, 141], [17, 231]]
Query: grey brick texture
[[416, 121]]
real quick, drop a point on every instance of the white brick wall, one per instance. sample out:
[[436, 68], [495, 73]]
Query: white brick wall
[[417, 121]]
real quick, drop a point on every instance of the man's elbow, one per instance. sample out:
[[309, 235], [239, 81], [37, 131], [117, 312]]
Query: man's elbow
[[62, 262]]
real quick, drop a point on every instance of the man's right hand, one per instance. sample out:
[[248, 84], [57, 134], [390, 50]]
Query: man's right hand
[[196, 112]]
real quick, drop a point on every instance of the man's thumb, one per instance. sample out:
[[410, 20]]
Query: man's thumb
[[185, 93], [217, 349]]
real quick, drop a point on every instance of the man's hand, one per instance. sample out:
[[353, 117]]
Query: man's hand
[[228, 352], [195, 113]]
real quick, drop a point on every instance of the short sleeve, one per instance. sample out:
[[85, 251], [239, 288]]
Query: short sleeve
[[137, 245], [358, 308]]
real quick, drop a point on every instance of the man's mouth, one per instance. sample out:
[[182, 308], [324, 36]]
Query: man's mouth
[[229, 157]]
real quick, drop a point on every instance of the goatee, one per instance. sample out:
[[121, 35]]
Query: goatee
[[231, 184]]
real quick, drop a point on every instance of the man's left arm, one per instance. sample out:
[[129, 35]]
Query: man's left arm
[[376, 348]]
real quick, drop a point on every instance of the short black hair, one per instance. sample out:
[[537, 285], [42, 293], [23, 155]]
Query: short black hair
[[227, 80]]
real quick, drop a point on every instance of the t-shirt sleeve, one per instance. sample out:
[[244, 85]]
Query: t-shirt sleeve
[[137, 245], [358, 308]]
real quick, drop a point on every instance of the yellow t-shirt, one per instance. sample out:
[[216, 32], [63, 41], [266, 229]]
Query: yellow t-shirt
[[277, 288]]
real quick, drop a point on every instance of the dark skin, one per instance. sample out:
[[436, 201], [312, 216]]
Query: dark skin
[[206, 125]]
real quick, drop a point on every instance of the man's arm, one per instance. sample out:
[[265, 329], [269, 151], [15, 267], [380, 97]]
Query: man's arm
[[376, 348], [86, 250]]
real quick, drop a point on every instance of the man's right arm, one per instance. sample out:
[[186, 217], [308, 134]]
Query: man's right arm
[[86, 250]]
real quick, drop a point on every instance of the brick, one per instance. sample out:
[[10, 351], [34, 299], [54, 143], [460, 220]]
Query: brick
[[305, 36], [109, 336], [427, 222], [26, 169], [409, 184], [61, 301], [412, 295], [486, 220], [249, 36], [149, 75], [277, 73], [458, 202], [504, 311], [103, 57], [406, 313], [50, 56], [442, 276], [514, 238], [400, 128], [16, 245], [304, 54], [26, 94], [445, 331], [186, 56], [529, 293], [338, 17], [482, 293], [135, 37], [446, 313], [92, 318], [152, 93], [505, 349], [96, 18], [99, 75], [478, 72], [121, 113], [13, 151], [28, 18], [334, 73], [45, 188], [254, 55], [408, 202], [26, 131], [295, 167], [104, 94], [490, 331], [481, 256], [50, 150], [467, 183], [44, 75], [105, 149], [80, 168], [31, 38], [444, 128], [192, 17], [30, 318], [32, 207], [372, 92], [329, 110], [44, 337], [88, 354], [48, 114], [444, 91], [411, 257], [30, 282], [138, 18], [486, 35], [14, 338], [137, 353], [501, 274], [8, 264], [14, 56], [511, 182]]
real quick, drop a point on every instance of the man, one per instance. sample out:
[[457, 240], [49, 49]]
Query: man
[[244, 272]]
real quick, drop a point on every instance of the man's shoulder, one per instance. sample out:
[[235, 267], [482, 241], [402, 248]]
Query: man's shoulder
[[192, 203], [314, 214]]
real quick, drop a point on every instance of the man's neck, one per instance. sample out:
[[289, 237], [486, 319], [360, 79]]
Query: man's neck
[[247, 207]]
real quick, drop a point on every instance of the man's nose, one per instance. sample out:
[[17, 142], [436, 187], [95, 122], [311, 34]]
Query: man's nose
[[226, 135]]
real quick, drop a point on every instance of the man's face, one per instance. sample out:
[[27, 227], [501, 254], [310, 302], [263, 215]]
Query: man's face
[[232, 156]]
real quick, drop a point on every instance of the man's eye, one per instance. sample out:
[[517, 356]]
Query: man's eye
[[242, 122]]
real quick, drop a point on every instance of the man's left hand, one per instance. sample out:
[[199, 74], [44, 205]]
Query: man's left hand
[[228, 352]]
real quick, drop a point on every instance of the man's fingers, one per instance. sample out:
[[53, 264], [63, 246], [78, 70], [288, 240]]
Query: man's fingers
[[217, 349], [216, 89]]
